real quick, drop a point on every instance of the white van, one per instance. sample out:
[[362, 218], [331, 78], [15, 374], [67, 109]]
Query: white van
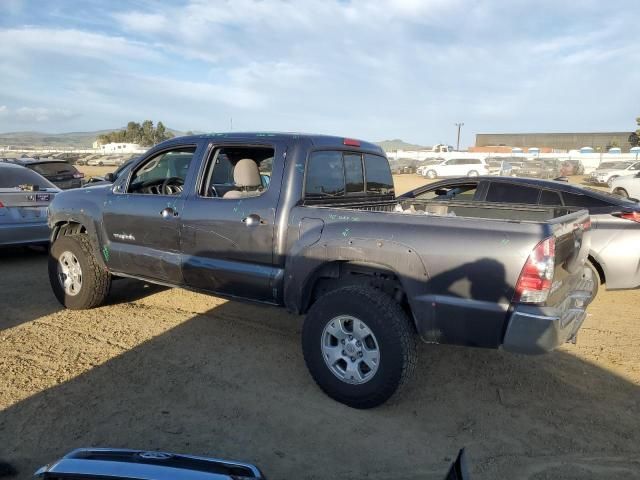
[[457, 167]]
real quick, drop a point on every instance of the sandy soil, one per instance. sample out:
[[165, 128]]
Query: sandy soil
[[168, 369]]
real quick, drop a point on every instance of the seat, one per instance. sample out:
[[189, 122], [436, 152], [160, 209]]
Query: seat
[[246, 178]]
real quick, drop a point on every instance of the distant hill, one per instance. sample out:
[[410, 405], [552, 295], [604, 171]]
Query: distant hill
[[397, 144], [71, 139]]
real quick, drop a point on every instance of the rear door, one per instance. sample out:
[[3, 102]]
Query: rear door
[[142, 215], [227, 229]]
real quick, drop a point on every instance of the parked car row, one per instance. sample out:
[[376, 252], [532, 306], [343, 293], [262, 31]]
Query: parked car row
[[614, 256], [607, 172]]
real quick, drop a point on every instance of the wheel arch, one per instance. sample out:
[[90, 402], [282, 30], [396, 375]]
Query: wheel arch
[[75, 227], [597, 265]]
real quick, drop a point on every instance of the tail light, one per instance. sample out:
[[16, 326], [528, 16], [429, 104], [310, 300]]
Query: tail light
[[1, 205], [78, 175], [633, 216], [534, 283]]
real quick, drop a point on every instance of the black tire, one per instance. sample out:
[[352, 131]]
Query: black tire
[[596, 277], [393, 332], [96, 281], [622, 192]]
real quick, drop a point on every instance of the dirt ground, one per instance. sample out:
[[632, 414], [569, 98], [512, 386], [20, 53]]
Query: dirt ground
[[168, 369]]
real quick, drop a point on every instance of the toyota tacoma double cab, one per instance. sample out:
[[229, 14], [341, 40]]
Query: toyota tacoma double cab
[[312, 223]]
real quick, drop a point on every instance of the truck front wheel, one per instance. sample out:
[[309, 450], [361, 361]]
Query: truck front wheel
[[77, 279], [359, 346]]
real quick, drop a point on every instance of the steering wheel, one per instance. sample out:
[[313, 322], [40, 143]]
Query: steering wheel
[[172, 186]]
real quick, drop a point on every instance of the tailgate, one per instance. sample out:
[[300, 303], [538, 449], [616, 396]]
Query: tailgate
[[572, 234], [19, 206]]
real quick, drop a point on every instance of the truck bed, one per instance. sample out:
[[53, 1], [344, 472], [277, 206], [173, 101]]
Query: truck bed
[[492, 211]]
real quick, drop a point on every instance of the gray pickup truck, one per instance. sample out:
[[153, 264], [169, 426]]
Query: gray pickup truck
[[312, 223]]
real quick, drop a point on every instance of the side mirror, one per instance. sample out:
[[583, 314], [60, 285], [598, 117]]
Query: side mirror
[[92, 463], [110, 177]]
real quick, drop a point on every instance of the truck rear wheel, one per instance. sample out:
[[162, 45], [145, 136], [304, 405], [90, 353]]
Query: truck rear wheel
[[359, 346], [77, 279]]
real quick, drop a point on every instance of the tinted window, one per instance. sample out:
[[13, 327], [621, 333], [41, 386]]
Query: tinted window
[[325, 174], [53, 168], [378, 174], [512, 193], [577, 200], [13, 177], [353, 174], [547, 197], [459, 192]]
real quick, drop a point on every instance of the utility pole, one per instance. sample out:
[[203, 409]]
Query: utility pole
[[459, 125], [231, 124]]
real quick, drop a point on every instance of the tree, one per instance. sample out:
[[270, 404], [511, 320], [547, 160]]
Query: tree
[[144, 135], [634, 137]]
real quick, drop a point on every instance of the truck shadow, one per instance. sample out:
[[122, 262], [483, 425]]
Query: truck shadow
[[232, 382], [26, 294]]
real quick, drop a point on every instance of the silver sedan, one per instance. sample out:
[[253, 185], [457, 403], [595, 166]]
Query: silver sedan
[[24, 198]]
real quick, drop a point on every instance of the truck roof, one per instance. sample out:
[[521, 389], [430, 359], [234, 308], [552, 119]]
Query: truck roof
[[315, 139]]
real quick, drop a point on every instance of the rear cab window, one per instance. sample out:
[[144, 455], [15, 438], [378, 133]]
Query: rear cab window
[[334, 173]]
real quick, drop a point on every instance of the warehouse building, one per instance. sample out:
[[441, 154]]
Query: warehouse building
[[556, 141]]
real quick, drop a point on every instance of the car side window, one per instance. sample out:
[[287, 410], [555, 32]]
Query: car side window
[[635, 166], [237, 172], [464, 192], [578, 200], [548, 197], [163, 174], [512, 193]]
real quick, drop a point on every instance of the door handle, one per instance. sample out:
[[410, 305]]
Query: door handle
[[168, 213], [252, 220]]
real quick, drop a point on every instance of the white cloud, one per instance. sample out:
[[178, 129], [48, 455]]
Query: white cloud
[[41, 114], [4, 110]]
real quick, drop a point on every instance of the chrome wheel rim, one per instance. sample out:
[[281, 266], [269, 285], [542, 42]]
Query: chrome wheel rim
[[350, 349], [69, 273]]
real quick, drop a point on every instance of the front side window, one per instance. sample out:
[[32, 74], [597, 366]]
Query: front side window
[[163, 174]]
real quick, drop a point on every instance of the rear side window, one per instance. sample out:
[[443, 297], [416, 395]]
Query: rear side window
[[378, 175], [547, 197], [577, 200], [13, 177], [512, 193]]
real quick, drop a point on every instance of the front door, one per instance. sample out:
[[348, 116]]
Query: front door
[[228, 225], [142, 218]]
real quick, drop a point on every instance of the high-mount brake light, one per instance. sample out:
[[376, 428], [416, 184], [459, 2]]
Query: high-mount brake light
[[352, 142], [534, 283]]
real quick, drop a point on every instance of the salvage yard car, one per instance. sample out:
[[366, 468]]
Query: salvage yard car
[[607, 172], [60, 173], [627, 186], [457, 167], [615, 234], [325, 236], [24, 198]]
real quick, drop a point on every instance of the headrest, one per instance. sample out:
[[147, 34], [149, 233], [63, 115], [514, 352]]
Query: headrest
[[246, 174]]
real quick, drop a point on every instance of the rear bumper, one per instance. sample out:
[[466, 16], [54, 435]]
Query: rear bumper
[[24, 233], [534, 330]]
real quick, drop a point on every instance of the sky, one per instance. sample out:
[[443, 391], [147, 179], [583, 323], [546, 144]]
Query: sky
[[375, 69]]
